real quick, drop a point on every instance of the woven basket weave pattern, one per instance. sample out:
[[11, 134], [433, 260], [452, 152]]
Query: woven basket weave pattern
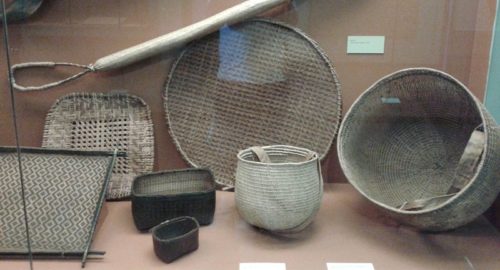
[[62, 192], [175, 238], [160, 196], [402, 140], [258, 83], [283, 196], [105, 122]]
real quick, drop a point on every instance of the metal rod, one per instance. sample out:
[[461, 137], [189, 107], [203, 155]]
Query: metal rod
[[53, 255], [98, 209], [14, 120]]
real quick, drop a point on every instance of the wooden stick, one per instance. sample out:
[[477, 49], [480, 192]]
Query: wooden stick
[[154, 46], [184, 35]]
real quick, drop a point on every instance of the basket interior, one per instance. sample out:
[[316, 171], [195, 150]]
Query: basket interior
[[174, 182], [404, 138], [279, 154], [175, 228]]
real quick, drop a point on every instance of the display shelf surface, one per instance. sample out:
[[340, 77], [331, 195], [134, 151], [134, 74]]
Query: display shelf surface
[[346, 229]]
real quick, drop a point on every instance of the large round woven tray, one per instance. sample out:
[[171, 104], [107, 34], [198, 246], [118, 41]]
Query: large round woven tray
[[255, 83], [95, 121]]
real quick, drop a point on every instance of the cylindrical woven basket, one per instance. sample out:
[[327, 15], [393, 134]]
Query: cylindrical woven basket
[[404, 142], [282, 194]]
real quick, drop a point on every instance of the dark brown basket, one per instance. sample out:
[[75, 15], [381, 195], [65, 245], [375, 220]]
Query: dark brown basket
[[164, 195], [175, 238]]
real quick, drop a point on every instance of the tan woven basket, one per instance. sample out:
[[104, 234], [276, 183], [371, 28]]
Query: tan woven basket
[[418, 144], [278, 188], [96, 121]]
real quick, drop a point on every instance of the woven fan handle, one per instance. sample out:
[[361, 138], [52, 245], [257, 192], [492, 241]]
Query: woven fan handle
[[50, 65]]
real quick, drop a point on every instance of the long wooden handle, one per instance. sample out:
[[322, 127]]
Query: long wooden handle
[[184, 35], [158, 45]]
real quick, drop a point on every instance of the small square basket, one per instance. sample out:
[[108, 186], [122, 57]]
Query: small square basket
[[160, 196]]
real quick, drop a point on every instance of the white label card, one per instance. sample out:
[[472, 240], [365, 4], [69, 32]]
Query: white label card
[[365, 44], [262, 266], [349, 266]]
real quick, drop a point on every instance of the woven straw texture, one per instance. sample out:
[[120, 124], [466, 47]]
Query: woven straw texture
[[402, 141], [175, 238], [256, 83], [282, 196], [157, 197], [96, 121], [63, 191]]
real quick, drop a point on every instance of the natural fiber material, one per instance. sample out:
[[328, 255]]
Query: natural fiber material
[[282, 195], [403, 139], [161, 44], [64, 191], [175, 238], [159, 196], [257, 83], [105, 122]]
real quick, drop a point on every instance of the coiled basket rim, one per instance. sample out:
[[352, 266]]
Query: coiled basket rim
[[285, 148]]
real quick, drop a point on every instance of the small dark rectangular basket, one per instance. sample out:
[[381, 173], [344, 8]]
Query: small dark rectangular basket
[[175, 238], [159, 196]]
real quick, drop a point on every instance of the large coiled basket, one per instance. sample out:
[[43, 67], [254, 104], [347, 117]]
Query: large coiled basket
[[406, 140], [280, 192]]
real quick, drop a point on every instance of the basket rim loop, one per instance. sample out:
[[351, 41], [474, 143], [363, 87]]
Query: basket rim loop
[[283, 146]]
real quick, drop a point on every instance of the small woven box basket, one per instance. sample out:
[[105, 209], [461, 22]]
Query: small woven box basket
[[159, 196], [420, 146], [175, 238], [278, 188]]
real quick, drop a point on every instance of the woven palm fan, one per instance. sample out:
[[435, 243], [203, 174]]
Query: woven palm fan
[[257, 83], [102, 122], [419, 145]]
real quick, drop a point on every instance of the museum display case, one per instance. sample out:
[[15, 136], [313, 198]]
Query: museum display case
[[322, 134]]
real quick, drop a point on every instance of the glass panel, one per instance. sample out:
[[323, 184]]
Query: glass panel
[[14, 229], [415, 141]]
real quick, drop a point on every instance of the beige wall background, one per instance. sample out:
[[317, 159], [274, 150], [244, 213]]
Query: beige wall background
[[451, 35]]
